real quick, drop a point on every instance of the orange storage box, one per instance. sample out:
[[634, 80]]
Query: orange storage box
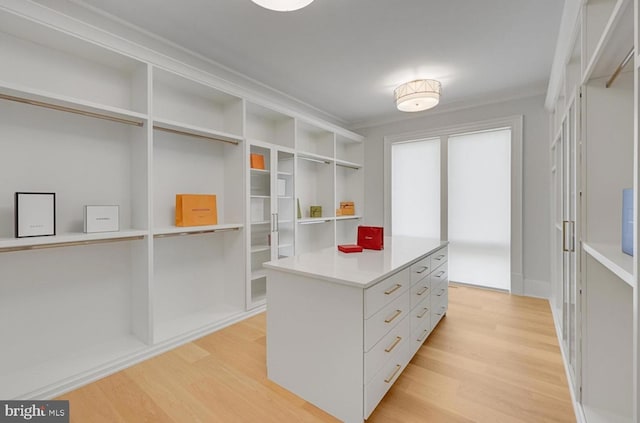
[[196, 210], [256, 161], [347, 208]]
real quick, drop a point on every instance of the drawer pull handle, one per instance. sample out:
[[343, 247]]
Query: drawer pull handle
[[441, 292], [392, 318], [392, 290], [422, 269], [424, 311], [423, 336], [442, 310], [423, 290], [439, 274], [395, 372], [440, 257], [392, 346]]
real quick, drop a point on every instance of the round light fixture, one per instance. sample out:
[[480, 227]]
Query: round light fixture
[[282, 5], [418, 95]]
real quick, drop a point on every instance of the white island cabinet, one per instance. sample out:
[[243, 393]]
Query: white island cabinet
[[342, 327]]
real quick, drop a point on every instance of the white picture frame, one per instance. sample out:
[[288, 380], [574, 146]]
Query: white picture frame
[[35, 214]]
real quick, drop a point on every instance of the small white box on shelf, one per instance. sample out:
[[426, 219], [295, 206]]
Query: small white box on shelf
[[35, 214], [101, 219]]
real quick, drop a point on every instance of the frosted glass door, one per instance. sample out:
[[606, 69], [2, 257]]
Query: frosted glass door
[[284, 216], [479, 208], [415, 188], [571, 305]]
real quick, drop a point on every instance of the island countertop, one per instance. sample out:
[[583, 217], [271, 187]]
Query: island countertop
[[363, 269]]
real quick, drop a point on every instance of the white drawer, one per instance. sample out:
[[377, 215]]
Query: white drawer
[[439, 306], [374, 391], [421, 317], [418, 337], [376, 358], [437, 315], [420, 291], [385, 291], [384, 320], [420, 269], [439, 275], [439, 292], [439, 257]]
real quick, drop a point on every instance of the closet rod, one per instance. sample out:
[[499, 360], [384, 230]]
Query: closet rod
[[190, 134], [311, 159], [620, 67], [68, 244], [207, 231], [347, 166], [71, 110]]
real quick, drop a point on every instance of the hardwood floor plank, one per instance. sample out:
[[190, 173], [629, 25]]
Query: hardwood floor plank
[[494, 358]]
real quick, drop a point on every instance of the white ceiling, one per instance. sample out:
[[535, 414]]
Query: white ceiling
[[345, 57]]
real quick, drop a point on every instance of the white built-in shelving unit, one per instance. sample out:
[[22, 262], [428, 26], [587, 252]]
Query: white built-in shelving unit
[[330, 171], [196, 150], [98, 120], [597, 312], [313, 165]]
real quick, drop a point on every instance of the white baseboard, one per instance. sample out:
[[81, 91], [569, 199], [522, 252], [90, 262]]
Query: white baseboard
[[538, 289], [577, 407]]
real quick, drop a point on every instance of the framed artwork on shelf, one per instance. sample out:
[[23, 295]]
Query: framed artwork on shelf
[[35, 214]]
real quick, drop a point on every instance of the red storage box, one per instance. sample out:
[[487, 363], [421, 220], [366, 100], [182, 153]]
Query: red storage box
[[350, 248], [371, 237]]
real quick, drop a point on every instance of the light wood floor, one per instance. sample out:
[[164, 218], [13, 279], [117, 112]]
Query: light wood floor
[[493, 358]]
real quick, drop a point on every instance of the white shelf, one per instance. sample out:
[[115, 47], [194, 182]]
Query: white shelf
[[71, 238], [280, 173], [598, 415], [49, 375], [285, 197], [612, 257], [177, 230], [266, 197], [257, 274], [259, 171], [198, 320], [260, 248], [195, 131], [70, 104], [261, 222]]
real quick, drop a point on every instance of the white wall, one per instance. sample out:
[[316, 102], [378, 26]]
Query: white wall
[[536, 174]]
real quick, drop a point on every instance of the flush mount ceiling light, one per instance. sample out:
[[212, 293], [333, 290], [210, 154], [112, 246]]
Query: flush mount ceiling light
[[418, 95], [282, 5]]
